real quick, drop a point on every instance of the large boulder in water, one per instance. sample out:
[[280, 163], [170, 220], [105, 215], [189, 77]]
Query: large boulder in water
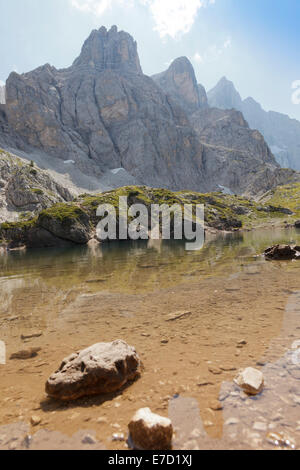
[[281, 252], [67, 222], [100, 369]]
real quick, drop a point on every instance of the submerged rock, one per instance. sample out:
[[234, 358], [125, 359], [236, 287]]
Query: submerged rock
[[250, 381], [281, 439], [100, 369], [26, 354], [178, 315], [36, 334], [282, 252], [149, 431]]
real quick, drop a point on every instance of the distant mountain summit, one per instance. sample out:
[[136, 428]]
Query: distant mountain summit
[[224, 96], [110, 50], [281, 132]]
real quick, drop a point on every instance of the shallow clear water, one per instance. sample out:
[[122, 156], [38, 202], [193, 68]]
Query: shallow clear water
[[78, 296], [151, 264]]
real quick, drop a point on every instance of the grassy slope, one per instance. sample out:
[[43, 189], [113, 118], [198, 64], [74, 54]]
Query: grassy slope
[[223, 212], [286, 196], [219, 207]]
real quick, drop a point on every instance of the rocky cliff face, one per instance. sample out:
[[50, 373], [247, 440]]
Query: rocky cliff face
[[281, 132], [25, 188], [103, 114], [103, 110], [203, 97], [179, 81], [110, 50], [235, 156]]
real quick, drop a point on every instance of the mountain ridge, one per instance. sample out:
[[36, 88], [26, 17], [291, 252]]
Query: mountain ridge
[[103, 114], [281, 132]]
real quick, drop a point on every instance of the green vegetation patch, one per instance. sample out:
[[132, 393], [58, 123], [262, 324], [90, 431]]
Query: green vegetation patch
[[37, 191], [21, 224], [285, 196], [62, 212]]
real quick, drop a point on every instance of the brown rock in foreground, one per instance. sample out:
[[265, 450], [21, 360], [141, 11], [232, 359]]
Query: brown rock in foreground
[[282, 252], [100, 369], [149, 431]]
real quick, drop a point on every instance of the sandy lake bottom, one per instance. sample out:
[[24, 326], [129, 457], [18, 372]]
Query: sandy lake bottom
[[73, 298]]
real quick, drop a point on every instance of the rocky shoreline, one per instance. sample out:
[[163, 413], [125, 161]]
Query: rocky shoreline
[[75, 222]]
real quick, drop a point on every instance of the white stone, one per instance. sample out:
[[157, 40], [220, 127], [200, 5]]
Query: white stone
[[250, 381], [149, 431], [260, 426], [232, 422]]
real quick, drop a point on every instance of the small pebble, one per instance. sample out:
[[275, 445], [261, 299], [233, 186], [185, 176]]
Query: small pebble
[[35, 420]]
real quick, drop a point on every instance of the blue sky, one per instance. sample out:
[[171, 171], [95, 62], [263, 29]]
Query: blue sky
[[255, 43]]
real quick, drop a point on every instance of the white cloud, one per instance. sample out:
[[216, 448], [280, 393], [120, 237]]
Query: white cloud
[[91, 6], [213, 53], [198, 58], [227, 43], [296, 94], [2, 83], [171, 17]]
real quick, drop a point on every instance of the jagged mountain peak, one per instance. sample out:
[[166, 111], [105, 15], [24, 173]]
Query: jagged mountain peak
[[110, 50], [179, 81], [103, 114], [280, 132], [182, 64], [224, 95], [224, 81]]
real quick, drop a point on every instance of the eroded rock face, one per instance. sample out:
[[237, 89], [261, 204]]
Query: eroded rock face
[[100, 369], [110, 50], [280, 131], [103, 114], [26, 188], [149, 431], [236, 156], [179, 81], [251, 381], [103, 110], [74, 227]]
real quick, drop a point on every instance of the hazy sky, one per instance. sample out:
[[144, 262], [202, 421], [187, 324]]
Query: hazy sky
[[254, 43]]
